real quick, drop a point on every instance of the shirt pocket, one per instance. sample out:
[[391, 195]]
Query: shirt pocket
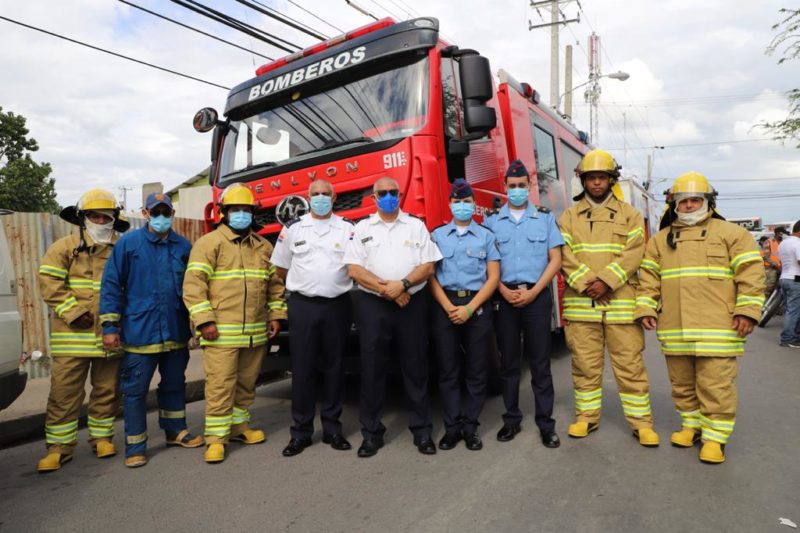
[[717, 262], [537, 237], [619, 238], [503, 242], [475, 260]]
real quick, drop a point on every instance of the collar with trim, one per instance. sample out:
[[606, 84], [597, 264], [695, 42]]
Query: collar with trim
[[613, 204], [402, 216]]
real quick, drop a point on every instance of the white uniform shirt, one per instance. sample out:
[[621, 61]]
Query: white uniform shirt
[[313, 253], [391, 251], [789, 252]]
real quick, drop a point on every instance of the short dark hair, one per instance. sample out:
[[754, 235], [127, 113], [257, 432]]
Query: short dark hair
[[762, 239], [781, 229], [796, 227]]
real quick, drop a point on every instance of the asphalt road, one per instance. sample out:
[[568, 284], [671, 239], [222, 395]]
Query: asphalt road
[[606, 482]]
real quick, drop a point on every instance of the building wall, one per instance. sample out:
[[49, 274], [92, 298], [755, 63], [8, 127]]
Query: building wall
[[191, 201]]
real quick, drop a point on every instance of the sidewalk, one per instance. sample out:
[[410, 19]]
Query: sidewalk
[[24, 419]]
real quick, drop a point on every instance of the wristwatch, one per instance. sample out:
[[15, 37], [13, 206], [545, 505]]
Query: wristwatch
[[406, 283]]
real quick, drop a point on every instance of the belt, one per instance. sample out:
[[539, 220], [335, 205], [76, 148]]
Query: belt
[[460, 293], [513, 286]]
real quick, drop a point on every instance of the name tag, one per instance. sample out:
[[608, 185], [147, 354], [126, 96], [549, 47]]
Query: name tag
[[366, 239], [299, 243]]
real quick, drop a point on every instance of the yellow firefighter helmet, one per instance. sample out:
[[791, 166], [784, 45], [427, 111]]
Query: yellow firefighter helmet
[[691, 182], [237, 194], [598, 160], [97, 199]]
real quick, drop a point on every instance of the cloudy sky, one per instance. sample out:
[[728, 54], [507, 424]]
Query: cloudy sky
[[700, 81]]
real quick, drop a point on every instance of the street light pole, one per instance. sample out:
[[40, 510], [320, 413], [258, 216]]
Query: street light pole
[[621, 76]]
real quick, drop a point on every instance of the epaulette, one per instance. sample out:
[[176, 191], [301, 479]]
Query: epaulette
[[542, 209], [486, 228], [348, 221], [292, 222]]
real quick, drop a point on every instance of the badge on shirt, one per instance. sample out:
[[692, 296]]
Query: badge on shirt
[[337, 245], [410, 244], [280, 236], [299, 243], [366, 239]]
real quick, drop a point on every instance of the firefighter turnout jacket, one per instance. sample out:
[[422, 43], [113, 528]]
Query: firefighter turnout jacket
[[713, 272], [230, 281]]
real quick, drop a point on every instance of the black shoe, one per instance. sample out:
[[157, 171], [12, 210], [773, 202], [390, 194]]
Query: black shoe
[[473, 442], [550, 439], [296, 446], [425, 445], [370, 447], [449, 441], [508, 433], [337, 441]]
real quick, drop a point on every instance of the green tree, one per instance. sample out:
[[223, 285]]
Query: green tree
[[25, 185], [787, 44]]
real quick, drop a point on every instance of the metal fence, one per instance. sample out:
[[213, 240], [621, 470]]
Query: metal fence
[[29, 236]]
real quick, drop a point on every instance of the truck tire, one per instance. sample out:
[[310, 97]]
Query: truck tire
[[771, 307]]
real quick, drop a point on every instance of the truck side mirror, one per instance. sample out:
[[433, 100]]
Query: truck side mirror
[[477, 88]]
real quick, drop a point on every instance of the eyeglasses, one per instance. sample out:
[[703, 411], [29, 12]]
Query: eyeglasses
[[159, 211], [381, 194]]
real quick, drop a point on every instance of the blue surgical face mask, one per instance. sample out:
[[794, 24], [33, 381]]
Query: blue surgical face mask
[[462, 211], [388, 203], [240, 220], [517, 197], [160, 224], [321, 205]]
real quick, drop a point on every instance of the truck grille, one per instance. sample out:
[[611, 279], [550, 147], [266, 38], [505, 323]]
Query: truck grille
[[345, 201]]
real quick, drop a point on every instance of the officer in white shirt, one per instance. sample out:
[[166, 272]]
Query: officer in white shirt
[[391, 256], [789, 253], [309, 255]]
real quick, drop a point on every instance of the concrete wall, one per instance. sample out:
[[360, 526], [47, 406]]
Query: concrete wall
[[191, 201]]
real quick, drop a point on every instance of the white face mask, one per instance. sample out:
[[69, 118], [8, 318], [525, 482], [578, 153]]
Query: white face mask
[[690, 219], [100, 233]]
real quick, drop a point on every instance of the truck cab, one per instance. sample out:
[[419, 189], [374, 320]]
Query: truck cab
[[12, 379]]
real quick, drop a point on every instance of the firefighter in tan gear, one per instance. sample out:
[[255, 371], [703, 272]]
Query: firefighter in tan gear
[[69, 279], [605, 245], [235, 301], [702, 289]]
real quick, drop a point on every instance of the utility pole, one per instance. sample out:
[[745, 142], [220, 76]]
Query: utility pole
[[556, 20], [592, 94], [568, 81], [625, 140], [124, 190]]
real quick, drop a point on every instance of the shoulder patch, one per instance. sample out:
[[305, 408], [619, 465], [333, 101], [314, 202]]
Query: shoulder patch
[[542, 209]]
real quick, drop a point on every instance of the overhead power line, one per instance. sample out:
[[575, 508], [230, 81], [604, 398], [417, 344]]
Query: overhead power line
[[298, 6], [236, 24], [105, 51], [283, 19], [194, 29], [710, 143]]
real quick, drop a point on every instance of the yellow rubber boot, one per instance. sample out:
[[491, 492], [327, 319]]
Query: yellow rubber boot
[[104, 448], [685, 438], [579, 430], [215, 453], [647, 437], [712, 452], [250, 436], [52, 461]]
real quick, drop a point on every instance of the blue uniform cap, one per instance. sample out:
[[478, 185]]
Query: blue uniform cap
[[157, 198], [516, 169], [460, 189]]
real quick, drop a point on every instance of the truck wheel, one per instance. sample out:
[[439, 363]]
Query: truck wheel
[[771, 308]]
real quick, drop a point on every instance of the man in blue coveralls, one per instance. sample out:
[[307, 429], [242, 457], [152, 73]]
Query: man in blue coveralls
[[141, 309], [530, 243]]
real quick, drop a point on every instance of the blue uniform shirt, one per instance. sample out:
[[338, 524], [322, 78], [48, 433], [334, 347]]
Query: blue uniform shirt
[[142, 290], [524, 244], [464, 256]]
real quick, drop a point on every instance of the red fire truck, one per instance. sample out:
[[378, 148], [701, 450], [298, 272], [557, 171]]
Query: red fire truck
[[387, 99]]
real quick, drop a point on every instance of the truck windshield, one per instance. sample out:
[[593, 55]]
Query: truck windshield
[[378, 106]]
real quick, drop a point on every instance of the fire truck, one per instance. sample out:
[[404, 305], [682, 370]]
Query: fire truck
[[387, 99]]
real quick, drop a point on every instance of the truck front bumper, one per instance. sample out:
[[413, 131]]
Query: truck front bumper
[[11, 386]]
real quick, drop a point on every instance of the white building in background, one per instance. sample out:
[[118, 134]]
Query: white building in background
[[191, 197]]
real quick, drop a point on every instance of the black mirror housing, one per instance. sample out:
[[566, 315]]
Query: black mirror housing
[[476, 78], [479, 118]]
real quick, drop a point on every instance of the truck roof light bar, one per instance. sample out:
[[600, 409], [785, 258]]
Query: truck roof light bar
[[324, 45]]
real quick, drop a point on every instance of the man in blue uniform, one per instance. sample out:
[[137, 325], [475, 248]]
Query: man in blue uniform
[[530, 256], [465, 280], [141, 309]]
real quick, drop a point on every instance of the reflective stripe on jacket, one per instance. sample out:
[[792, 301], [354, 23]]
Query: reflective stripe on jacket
[[714, 273], [607, 243], [70, 285], [230, 281]]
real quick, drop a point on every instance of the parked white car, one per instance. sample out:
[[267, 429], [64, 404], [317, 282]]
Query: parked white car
[[12, 380]]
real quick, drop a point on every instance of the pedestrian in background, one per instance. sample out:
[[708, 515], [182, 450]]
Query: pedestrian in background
[[789, 253]]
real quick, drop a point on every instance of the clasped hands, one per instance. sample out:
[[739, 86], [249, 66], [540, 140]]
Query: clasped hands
[[394, 291]]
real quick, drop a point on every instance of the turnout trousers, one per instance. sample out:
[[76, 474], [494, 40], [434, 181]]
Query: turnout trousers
[[67, 392], [384, 327], [462, 350], [137, 373], [318, 329], [704, 393], [231, 375], [625, 342], [527, 330]]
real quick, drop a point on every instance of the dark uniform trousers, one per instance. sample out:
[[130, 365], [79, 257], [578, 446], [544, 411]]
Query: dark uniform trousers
[[385, 328], [472, 341], [533, 322], [318, 329]]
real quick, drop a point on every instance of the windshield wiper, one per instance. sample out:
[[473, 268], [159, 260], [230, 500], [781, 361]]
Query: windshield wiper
[[266, 164], [335, 144]]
